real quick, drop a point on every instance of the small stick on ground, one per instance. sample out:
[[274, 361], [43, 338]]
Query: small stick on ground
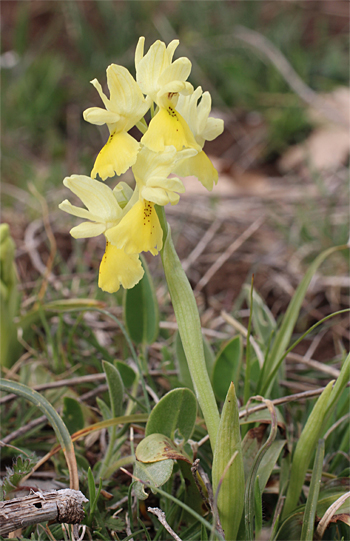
[[161, 517], [63, 506]]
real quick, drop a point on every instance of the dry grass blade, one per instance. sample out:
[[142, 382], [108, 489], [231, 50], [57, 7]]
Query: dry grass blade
[[327, 517]]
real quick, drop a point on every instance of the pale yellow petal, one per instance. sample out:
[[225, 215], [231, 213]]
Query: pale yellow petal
[[126, 97], [118, 268], [87, 230], [203, 110], [201, 167], [171, 48], [118, 154], [96, 196], [123, 193], [173, 183], [214, 127], [98, 116], [66, 206], [150, 67], [168, 128], [150, 164], [139, 230], [177, 71], [139, 51], [103, 96], [160, 196], [169, 94]]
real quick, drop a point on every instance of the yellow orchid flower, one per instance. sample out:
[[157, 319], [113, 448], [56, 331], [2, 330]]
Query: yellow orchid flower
[[139, 230], [124, 108], [156, 73], [151, 172], [204, 128], [163, 81], [104, 211]]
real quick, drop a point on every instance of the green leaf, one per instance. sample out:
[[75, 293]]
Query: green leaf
[[185, 376], [250, 488], [305, 448], [340, 384], [93, 502], [175, 412], [115, 388], [20, 468], [154, 474], [72, 414], [141, 313], [91, 487], [268, 462], [158, 447], [227, 367], [258, 507], [204, 533], [251, 444], [307, 532], [127, 373], [104, 409], [229, 478], [263, 320]]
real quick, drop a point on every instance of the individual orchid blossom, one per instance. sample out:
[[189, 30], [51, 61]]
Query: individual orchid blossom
[[152, 170], [163, 81], [124, 108], [204, 128], [140, 229], [157, 74], [104, 211]]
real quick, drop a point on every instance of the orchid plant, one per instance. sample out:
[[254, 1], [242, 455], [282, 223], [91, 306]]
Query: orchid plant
[[133, 221]]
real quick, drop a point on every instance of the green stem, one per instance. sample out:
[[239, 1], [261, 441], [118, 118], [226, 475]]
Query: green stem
[[189, 325]]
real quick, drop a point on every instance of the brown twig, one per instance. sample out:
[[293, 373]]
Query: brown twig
[[161, 517]]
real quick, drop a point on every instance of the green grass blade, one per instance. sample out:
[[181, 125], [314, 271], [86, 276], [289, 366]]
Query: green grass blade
[[305, 449], [57, 424], [115, 388], [339, 386], [284, 333], [300, 339], [250, 492], [307, 531]]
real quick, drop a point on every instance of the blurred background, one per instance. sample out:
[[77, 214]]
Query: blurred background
[[278, 73]]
